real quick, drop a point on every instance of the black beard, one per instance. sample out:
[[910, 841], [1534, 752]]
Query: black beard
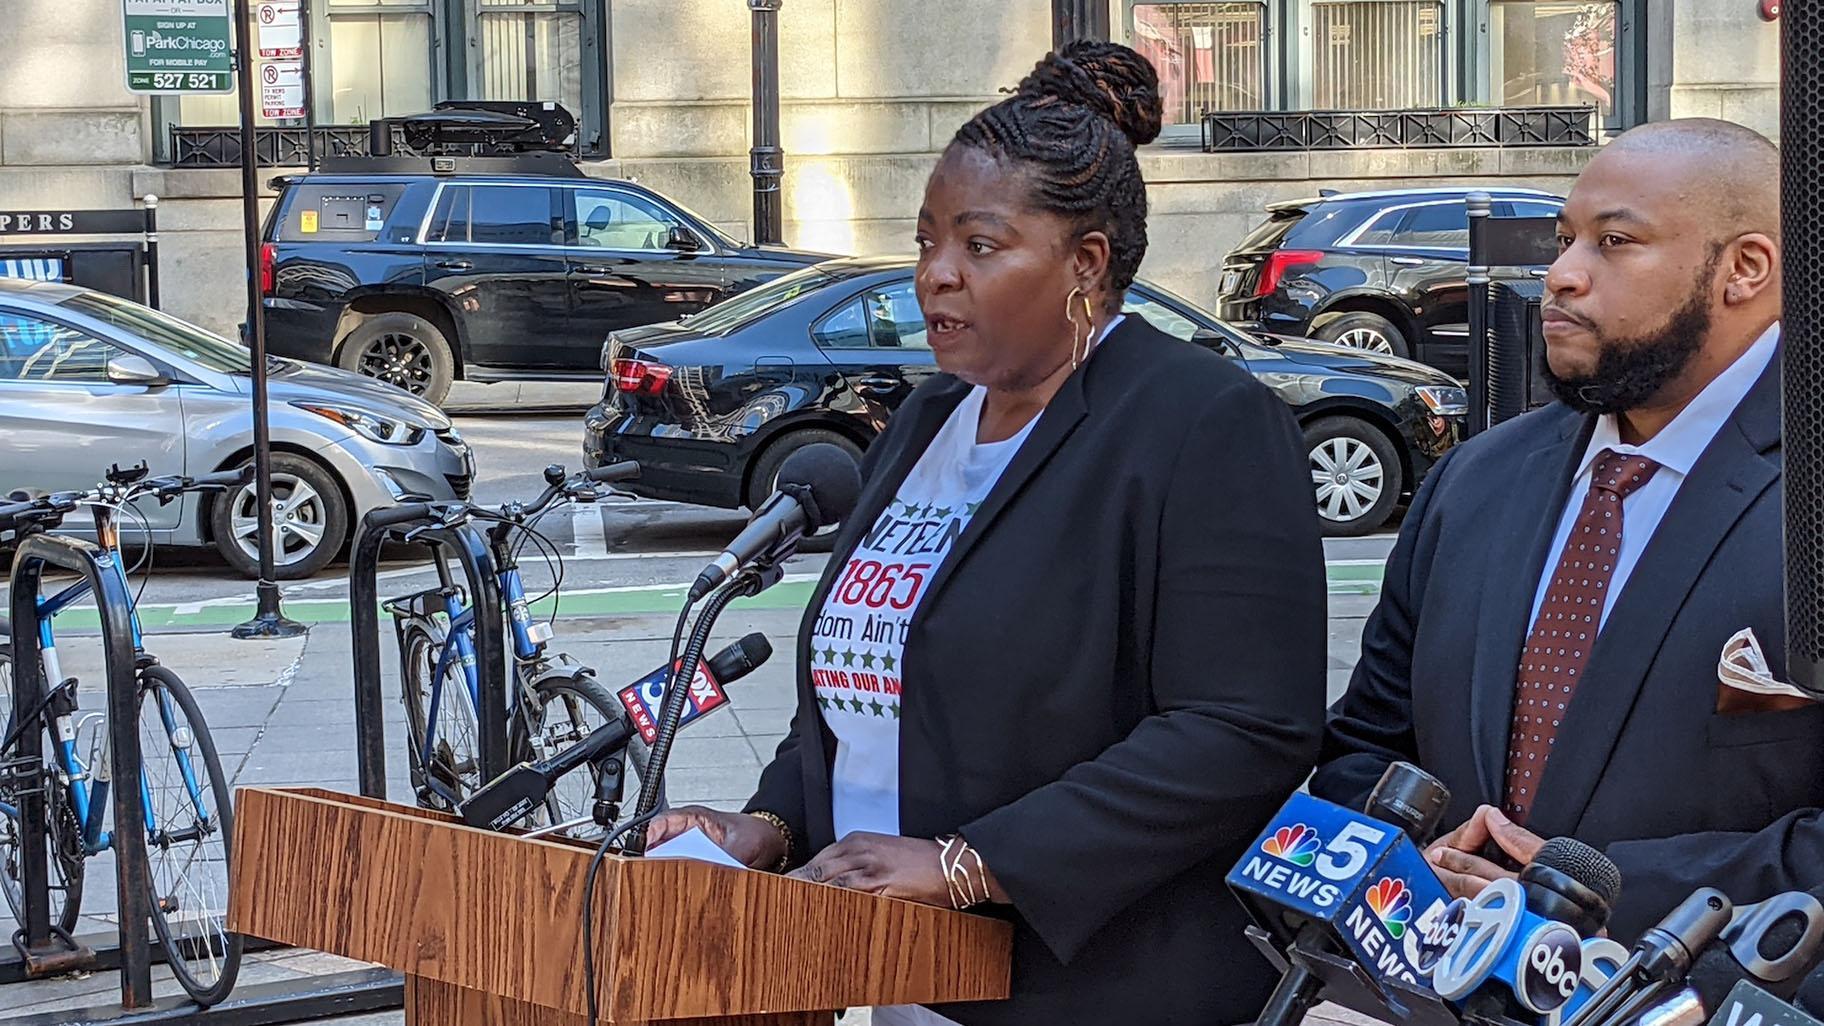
[[1631, 371]]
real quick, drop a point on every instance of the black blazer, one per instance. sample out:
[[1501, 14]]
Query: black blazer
[[1678, 795], [1115, 680]]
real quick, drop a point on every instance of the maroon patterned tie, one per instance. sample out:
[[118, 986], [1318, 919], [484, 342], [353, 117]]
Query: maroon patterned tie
[[1565, 631]]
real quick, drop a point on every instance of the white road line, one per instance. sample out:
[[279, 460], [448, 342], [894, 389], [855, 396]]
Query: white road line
[[591, 538]]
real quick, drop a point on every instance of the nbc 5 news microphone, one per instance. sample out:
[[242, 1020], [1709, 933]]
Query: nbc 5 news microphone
[[1326, 878], [1528, 948], [513, 795]]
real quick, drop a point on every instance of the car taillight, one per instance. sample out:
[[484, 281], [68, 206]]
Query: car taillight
[[1278, 263], [640, 376], [267, 252]]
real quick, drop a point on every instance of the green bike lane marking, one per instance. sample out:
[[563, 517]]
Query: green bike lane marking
[[1345, 577]]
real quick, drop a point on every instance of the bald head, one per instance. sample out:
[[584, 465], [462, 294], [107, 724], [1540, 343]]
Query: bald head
[[1668, 268], [1728, 173]]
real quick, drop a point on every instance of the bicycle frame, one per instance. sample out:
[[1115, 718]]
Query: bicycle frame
[[459, 641], [90, 804]]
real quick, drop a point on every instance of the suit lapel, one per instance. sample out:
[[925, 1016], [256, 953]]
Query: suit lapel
[[1732, 472], [1517, 555], [1056, 423]]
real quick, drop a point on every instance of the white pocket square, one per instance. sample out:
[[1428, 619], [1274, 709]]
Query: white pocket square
[[1744, 667]]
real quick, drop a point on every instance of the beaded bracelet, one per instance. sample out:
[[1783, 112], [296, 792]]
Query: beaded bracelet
[[778, 824]]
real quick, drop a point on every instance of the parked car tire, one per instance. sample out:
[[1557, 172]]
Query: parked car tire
[[1360, 329], [765, 476], [401, 349], [1355, 472], [312, 520]]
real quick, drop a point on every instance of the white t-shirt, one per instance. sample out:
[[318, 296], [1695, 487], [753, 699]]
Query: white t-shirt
[[858, 644]]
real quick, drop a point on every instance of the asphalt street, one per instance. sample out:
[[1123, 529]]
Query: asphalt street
[[621, 556]]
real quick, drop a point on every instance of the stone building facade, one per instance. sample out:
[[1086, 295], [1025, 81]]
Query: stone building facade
[[872, 90]]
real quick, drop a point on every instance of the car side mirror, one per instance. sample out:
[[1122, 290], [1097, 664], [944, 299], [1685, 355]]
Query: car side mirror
[[131, 369], [683, 240]]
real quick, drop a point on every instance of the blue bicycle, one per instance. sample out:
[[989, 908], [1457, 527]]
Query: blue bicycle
[[188, 807], [555, 701]]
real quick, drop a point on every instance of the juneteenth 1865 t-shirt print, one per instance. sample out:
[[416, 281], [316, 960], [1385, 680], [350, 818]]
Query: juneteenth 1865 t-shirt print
[[859, 642]]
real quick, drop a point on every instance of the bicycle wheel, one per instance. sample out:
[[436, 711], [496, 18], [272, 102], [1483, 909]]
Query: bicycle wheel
[[65, 836], [189, 826], [455, 761], [570, 708]]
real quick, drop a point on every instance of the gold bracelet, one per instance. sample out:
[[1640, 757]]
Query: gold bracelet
[[967, 889], [778, 824]]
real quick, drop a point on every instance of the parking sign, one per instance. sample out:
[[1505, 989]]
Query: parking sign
[[281, 31], [178, 46]]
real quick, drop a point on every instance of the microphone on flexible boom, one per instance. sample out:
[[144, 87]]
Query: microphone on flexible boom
[[510, 797], [818, 486]]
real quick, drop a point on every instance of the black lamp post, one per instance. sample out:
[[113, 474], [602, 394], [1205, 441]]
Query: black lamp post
[[767, 158]]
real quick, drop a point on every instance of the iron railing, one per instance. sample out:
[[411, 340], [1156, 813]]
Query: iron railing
[[1234, 131], [220, 146]]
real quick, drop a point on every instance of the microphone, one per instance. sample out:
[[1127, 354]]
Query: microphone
[[510, 797], [1325, 879], [1535, 936], [818, 485], [1661, 958], [645, 697], [513, 795], [1771, 945]]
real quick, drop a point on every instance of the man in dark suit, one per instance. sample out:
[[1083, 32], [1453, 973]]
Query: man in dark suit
[[1548, 635]]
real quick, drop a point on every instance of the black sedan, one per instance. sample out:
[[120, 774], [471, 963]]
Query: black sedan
[[711, 405]]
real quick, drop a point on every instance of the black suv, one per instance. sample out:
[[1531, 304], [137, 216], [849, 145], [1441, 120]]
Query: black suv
[[1376, 270], [423, 271]]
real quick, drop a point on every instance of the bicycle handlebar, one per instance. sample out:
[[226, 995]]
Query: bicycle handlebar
[[626, 470]]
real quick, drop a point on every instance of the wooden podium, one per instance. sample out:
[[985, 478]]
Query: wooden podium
[[486, 926]]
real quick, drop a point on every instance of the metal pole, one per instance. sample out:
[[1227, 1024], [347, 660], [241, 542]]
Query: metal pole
[[269, 620], [152, 251], [1480, 205], [767, 158], [309, 58], [1078, 19]]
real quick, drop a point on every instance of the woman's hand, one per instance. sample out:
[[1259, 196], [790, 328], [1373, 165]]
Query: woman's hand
[[898, 867], [753, 841]]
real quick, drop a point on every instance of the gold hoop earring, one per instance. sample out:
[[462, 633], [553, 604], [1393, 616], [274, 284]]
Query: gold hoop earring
[[1078, 341]]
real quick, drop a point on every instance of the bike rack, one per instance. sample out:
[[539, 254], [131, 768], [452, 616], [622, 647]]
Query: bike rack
[[43, 952], [470, 548]]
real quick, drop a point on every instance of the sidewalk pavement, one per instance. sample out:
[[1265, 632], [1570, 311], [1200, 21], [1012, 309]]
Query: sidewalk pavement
[[282, 712]]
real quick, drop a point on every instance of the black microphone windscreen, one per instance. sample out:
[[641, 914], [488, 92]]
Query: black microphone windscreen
[[830, 476], [1583, 864], [740, 658]]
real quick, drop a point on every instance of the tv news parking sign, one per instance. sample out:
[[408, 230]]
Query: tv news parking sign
[[178, 46]]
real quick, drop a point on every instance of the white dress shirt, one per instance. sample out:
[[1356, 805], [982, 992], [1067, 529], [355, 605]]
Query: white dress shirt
[[1676, 449]]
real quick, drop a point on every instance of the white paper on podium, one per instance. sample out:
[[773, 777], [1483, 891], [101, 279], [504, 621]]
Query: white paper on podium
[[694, 844]]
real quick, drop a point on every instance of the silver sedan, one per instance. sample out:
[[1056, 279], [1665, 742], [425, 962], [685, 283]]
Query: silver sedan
[[88, 380]]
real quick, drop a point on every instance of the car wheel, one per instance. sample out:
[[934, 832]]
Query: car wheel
[[403, 350], [1362, 330], [310, 520], [1355, 473], [765, 476]]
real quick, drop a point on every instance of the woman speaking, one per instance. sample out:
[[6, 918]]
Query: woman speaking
[[1081, 602]]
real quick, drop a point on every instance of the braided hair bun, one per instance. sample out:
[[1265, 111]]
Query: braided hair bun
[[1069, 130], [1108, 78]]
